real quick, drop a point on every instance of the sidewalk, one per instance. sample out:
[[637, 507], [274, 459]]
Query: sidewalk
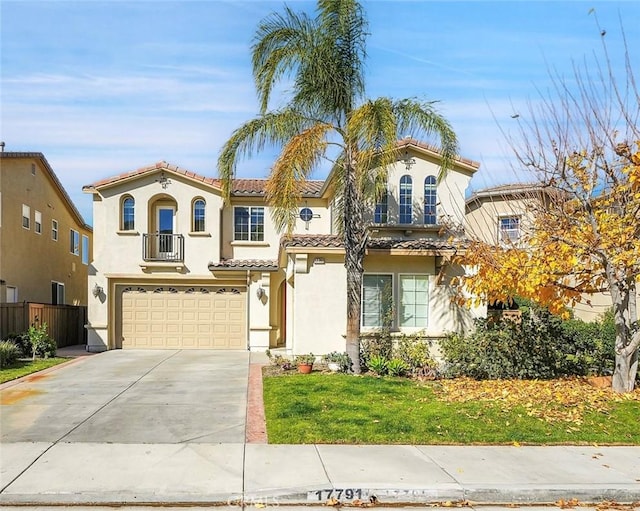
[[213, 474], [191, 473]]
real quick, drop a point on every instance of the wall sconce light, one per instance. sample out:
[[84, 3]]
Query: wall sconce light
[[260, 293], [408, 161], [97, 290]]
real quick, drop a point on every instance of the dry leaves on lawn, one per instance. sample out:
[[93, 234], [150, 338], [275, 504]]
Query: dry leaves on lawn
[[566, 400]]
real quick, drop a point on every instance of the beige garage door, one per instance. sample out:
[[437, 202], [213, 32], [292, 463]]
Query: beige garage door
[[187, 318]]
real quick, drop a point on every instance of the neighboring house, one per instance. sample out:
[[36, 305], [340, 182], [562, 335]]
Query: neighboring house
[[45, 245], [504, 214], [174, 267]]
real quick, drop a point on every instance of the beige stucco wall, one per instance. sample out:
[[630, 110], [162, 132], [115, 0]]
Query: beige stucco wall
[[268, 249], [450, 190], [482, 218], [317, 299], [32, 261]]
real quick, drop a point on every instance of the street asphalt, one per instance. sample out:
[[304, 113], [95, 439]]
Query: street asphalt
[[126, 428]]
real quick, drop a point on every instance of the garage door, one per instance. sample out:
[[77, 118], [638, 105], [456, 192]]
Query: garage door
[[186, 318]]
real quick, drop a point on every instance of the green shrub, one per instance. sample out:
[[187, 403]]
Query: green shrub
[[378, 365], [397, 367], [41, 344], [376, 345], [540, 346], [9, 353], [342, 359], [415, 352], [22, 342]]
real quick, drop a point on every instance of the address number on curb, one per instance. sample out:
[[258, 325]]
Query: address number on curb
[[341, 494]]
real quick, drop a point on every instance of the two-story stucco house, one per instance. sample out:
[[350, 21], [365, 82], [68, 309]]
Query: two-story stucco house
[[175, 267], [504, 215], [45, 244]]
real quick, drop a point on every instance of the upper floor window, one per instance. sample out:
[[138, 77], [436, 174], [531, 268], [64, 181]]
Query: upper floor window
[[248, 223], [509, 229], [74, 242], [128, 214], [85, 249], [37, 222], [406, 215], [382, 208], [54, 230], [26, 216], [198, 216], [430, 200]]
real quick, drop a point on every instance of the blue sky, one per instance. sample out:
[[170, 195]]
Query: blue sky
[[102, 88]]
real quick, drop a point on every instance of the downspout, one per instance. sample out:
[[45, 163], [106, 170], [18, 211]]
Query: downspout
[[248, 312]]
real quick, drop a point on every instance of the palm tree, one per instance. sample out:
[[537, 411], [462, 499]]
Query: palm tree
[[328, 114]]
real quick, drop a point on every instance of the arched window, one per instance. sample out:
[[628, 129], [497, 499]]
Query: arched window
[[382, 207], [198, 215], [128, 214], [405, 200], [430, 200]]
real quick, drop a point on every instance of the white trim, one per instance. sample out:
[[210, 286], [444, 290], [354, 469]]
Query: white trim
[[393, 300], [413, 328]]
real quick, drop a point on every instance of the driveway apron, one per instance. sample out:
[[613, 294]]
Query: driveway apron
[[133, 396]]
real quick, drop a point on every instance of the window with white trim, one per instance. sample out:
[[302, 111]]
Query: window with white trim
[[509, 229], [85, 249], [382, 208], [127, 214], [430, 200], [414, 301], [377, 300], [198, 211], [248, 223], [37, 222], [54, 230], [26, 216], [405, 203], [57, 293], [74, 242]]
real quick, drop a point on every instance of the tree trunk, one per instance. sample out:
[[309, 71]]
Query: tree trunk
[[355, 241], [626, 365], [623, 295]]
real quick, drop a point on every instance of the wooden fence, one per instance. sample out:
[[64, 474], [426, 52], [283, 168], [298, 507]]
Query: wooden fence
[[65, 323]]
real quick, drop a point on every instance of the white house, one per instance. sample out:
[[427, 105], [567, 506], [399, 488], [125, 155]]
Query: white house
[[174, 267]]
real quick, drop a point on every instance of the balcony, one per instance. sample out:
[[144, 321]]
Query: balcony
[[167, 248]]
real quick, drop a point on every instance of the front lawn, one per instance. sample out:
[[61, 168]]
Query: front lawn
[[336, 408], [26, 367]]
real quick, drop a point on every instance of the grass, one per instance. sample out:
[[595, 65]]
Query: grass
[[336, 408], [26, 367]]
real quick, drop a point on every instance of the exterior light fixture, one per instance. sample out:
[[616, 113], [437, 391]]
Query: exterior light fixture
[[97, 290], [260, 293], [408, 161]]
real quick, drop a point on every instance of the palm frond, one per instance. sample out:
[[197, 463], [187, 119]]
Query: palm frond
[[420, 119], [281, 42], [290, 172], [274, 128]]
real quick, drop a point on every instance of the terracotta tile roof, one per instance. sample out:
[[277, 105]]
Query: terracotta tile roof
[[240, 187], [255, 187], [161, 165], [334, 241], [244, 264], [312, 241], [406, 142], [508, 191]]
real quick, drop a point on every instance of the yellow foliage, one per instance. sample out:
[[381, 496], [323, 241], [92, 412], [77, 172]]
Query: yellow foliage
[[566, 400], [564, 255]]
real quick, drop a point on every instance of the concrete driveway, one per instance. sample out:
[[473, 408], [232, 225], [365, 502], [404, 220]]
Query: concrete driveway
[[139, 397]]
